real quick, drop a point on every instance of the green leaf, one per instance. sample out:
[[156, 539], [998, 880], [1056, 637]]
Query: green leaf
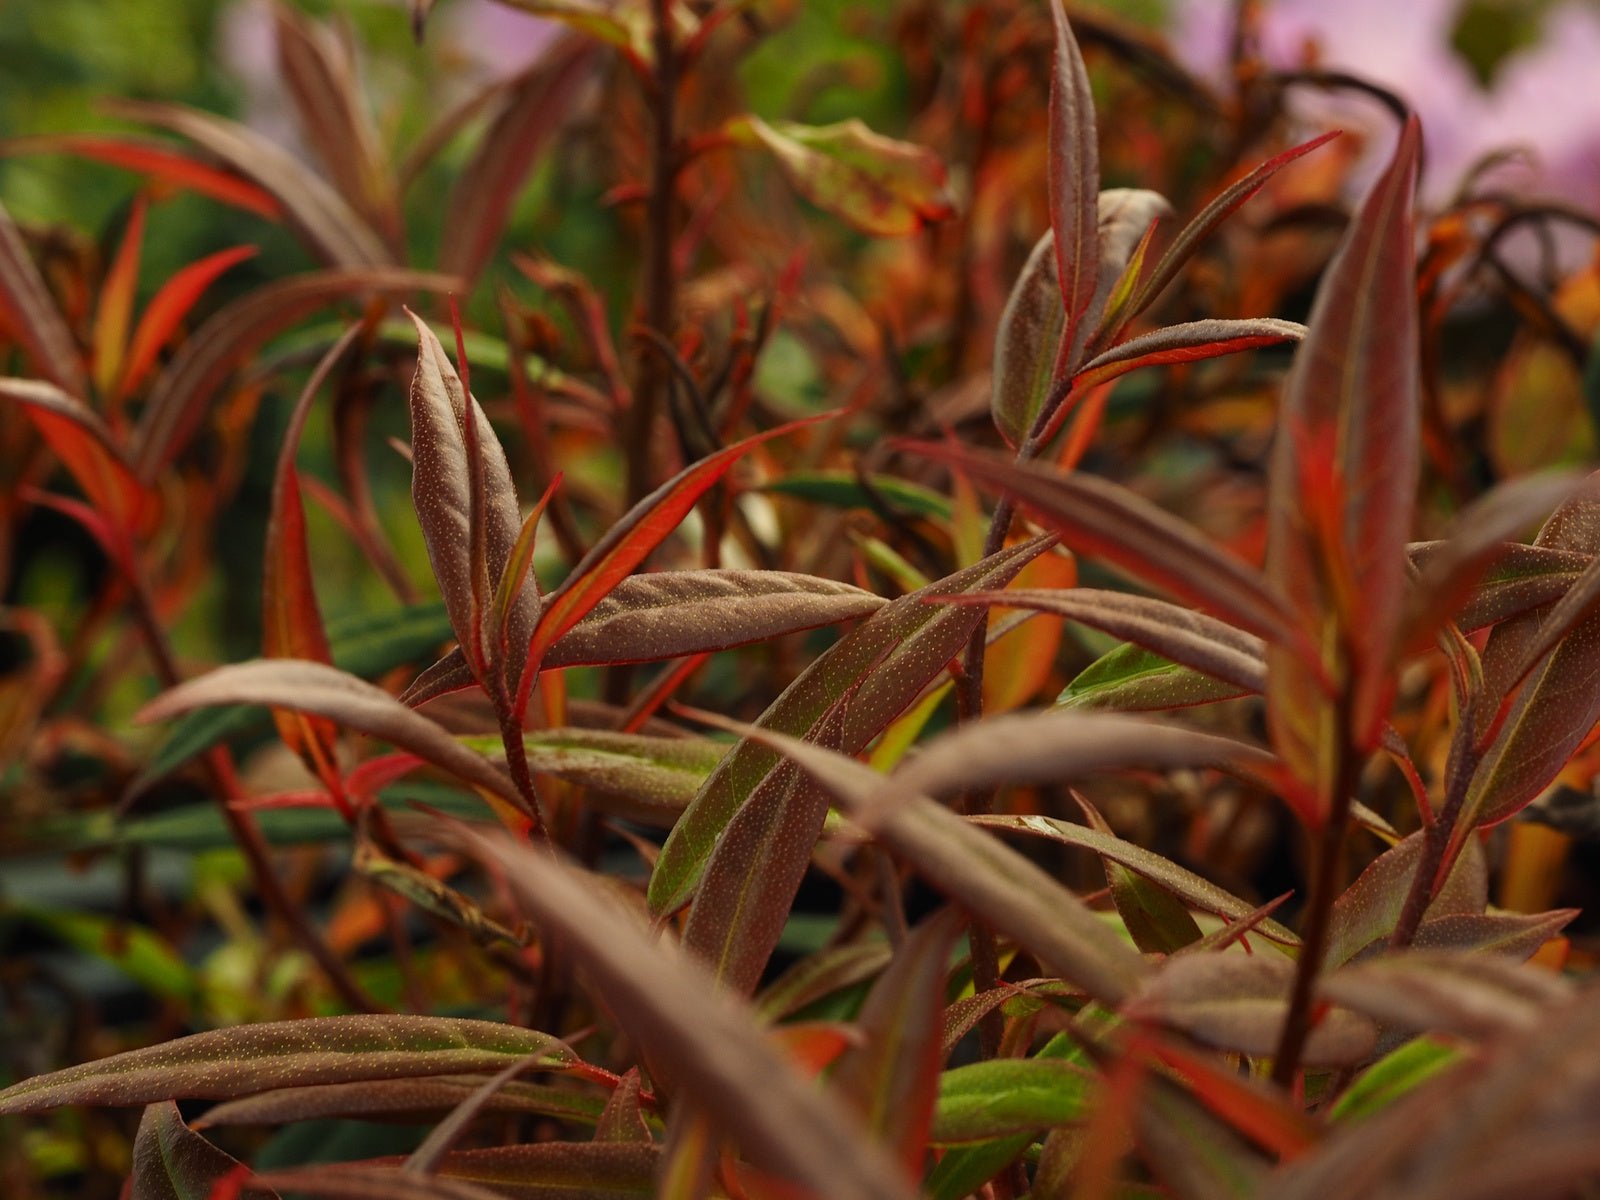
[[843, 489], [138, 952], [224, 1063], [1133, 679], [1395, 1075], [1005, 1096]]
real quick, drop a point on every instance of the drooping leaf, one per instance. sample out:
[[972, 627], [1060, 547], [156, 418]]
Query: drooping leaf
[[533, 111], [400, 1099], [330, 228], [28, 312], [1472, 995], [1099, 518], [1009, 1095], [892, 1079], [327, 692], [223, 1063], [233, 333], [698, 1036], [173, 1162], [877, 184], [159, 161], [1344, 481], [1193, 341], [878, 669], [1238, 1002]]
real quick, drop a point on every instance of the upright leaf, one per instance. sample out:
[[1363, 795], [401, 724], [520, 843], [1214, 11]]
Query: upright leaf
[[178, 399], [29, 314], [1344, 480], [292, 623], [892, 1079], [466, 504], [1074, 177], [531, 115]]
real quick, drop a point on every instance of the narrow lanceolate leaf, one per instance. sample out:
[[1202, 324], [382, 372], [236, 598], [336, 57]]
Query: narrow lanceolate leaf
[[1516, 1119], [79, 438], [1559, 700], [1133, 679], [29, 314], [891, 1079], [178, 399], [1396, 1075], [844, 489], [1369, 909], [673, 614], [1237, 1002], [1475, 542], [1510, 935], [1193, 341], [115, 307], [669, 614], [358, 1181], [1178, 634], [1522, 579], [1344, 481], [291, 622], [821, 974], [877, 184], [330, 227], [246, 1059], [637, 777], [412, 1100], [700, 1038], [995, 882], [167, 309], [319, 73], [466, 504], [326, 692], [632, 540], [1188, 887], [159, 160], [1074, 178], [1473, 995], [173, 1162], [1010, 1095], [1206, 222], [531, 115], [1027, 343], [1101, 519], [890, 636]]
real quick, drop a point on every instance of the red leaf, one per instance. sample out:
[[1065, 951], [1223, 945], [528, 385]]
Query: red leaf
[[29, 314], [292, 623], [116, 303], [168, 308], [173, 1162], [630, 541], [1344, 481], [157, 160], [1074, 187], [1193, 341]]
